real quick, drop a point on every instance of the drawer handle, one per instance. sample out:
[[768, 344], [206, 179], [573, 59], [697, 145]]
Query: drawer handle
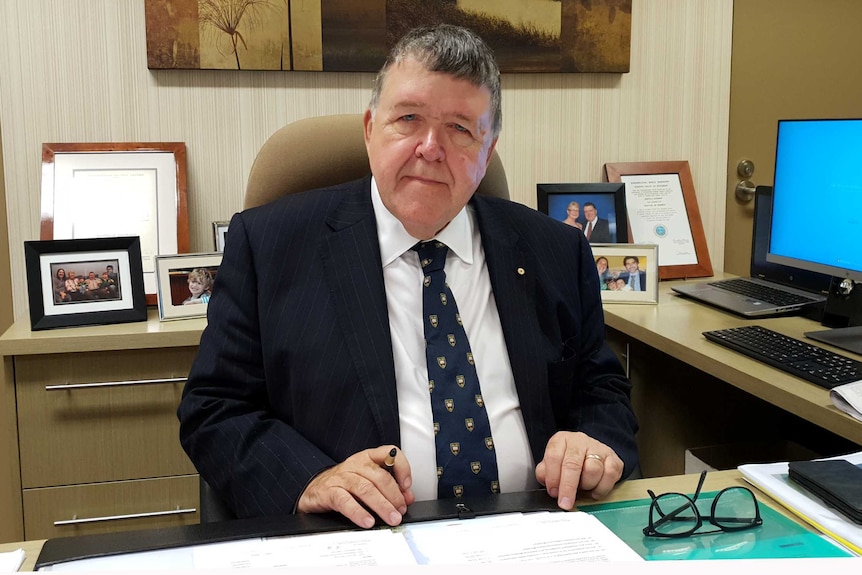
[[114, 383], [76, 521]]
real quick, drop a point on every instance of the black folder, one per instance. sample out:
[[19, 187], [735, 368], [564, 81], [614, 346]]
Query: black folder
[[836, 481], [63, 549]]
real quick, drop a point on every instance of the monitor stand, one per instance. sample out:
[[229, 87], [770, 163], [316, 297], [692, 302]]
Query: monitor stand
[[848, 338], [843, 313]]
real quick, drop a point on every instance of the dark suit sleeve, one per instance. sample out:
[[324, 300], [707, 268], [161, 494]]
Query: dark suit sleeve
[[255, 460], [600, 403]]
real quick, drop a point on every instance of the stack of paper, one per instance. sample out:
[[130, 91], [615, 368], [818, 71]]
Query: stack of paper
[[848, 398], [11, 561], [772, 478]]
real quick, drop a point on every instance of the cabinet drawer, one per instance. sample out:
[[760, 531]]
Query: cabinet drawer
[[107, 507], [126, 428]]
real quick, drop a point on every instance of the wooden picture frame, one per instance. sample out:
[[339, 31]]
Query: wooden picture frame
[[614, 275], [111, 291], [609, 200], [118, 189], [662, 209], [220, 235], [175, 273]]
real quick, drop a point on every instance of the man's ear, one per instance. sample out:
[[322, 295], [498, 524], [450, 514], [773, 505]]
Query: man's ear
[[368, 122], [490, 152]]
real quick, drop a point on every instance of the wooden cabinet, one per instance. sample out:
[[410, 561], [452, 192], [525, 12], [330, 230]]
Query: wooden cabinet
[[95, 446]]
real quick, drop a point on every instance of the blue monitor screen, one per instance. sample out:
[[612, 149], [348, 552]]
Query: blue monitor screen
[[817, 197]]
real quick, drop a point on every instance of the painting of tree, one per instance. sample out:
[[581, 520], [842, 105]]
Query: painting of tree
[[356, 35]]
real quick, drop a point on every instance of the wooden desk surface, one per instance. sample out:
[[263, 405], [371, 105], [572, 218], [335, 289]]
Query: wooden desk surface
[[635, 489], [675, 327], [20, 340]]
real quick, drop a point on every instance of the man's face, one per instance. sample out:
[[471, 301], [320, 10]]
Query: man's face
[[429, 145], [590, 213], [631, 265]]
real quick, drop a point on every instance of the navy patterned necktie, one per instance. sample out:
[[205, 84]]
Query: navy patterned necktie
[[466, 458]]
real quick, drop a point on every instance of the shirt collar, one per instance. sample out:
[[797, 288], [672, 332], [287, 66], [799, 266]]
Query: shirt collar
[[394, 239]]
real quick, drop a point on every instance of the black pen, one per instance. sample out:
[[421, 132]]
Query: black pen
[[389, 462]]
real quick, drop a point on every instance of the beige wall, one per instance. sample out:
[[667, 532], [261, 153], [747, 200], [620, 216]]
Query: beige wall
[[75, 71], [5, 275]]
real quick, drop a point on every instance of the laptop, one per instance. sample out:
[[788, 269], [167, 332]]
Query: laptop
[[772, 289]]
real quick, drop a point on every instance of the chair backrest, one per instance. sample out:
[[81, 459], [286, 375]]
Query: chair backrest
[[324, 151]]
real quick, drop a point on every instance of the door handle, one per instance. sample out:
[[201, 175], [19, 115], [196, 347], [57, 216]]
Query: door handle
[[745, 187]]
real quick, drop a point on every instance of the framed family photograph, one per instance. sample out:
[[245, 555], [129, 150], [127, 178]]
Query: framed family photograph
[[103, 190], [598, 210], [84, 282], [219, 235], [627, 273], [185, 284], [662, 209]]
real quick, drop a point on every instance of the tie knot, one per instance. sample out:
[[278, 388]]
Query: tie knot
[[432, 255]]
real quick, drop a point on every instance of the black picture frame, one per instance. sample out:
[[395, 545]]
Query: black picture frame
[[120, 297], [609, 200]]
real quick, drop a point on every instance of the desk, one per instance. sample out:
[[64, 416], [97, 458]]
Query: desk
[[687, 392], [627, 490], [88, 428], [682, 396]]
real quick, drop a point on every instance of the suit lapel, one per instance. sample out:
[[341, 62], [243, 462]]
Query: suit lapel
[[513, 280], [353, 269]]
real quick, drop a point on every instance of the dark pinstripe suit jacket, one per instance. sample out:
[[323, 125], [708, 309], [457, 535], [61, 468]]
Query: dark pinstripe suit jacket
[[295, 369]]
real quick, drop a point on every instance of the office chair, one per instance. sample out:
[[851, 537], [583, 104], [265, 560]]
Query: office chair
[[305, 155], [324, 151]]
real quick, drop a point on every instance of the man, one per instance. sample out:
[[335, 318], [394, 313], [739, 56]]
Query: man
[[312, 368], [635, 278], [596, 231], [573, 212]]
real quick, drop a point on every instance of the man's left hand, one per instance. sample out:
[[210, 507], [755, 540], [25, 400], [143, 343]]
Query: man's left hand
[[574, 460]]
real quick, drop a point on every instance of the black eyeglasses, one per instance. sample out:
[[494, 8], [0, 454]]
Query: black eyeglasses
[[676, 515]]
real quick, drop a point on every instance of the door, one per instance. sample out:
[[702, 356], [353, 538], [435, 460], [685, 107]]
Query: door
[[790, 59]]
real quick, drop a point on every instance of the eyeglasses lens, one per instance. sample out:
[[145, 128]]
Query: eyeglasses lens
[[673, 515], [734, 509]]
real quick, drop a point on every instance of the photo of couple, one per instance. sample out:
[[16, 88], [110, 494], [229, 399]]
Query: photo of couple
[[624, 274]]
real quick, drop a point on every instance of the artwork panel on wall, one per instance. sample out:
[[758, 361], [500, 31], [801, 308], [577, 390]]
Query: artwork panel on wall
[[356, 35]]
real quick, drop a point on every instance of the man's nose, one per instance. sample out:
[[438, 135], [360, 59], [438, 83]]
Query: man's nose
[[430, 146]]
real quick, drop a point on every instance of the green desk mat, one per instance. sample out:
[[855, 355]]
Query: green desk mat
[[778, 537]]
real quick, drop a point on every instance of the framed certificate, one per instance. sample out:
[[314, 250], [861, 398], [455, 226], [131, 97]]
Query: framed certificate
[[662, 210], [111, 190]]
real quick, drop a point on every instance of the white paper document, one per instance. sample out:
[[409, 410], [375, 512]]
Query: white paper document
[[515, 538], [848, 398], [541, 537], [772, 478], [11, 561], [340, 549]]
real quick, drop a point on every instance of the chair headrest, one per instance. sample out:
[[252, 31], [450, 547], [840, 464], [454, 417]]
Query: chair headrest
[[323, 151]]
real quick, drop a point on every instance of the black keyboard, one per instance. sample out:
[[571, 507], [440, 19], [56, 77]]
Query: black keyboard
[[755, 290], [810, 362]]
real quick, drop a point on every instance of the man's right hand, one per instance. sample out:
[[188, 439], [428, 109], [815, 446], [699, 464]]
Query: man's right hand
[[361, 484]]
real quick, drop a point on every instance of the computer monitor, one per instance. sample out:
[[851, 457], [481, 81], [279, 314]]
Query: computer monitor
[[817, 197]]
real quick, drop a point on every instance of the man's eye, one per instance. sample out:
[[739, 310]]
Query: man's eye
[[408, 117], [460, 128]]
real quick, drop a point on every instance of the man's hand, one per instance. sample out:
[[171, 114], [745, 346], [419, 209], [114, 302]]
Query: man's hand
[[361, 484], [576, 460]]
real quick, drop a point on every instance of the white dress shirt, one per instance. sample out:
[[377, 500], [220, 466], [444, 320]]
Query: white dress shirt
[[467, 276]]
